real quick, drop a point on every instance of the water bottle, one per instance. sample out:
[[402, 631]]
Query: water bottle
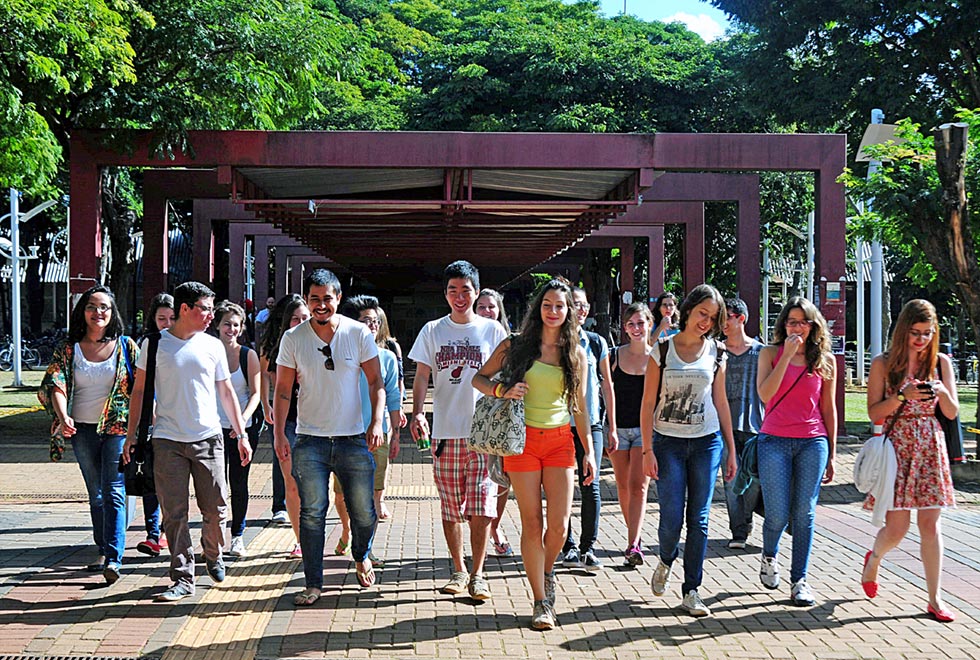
[[424, 443]]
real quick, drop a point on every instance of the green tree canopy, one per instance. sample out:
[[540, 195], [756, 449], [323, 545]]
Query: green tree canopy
[[827, 64]]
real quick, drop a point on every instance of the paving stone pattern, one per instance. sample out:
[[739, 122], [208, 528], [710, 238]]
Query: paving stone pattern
[[49, 606]]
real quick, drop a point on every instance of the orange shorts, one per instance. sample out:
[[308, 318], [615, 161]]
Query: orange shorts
[[544, 448]]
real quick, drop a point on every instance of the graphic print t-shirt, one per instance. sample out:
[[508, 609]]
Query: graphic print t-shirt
[[455, 352], [686, 409]]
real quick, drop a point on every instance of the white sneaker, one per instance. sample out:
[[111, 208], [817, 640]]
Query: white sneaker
[[693, 604], [237, 548], [769, 572], [801, 594], [280, 518], [661, 578]]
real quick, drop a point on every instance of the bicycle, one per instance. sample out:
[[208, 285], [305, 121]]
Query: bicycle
[[29, 358]]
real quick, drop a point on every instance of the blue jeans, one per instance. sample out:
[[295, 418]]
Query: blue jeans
[[237, 477], [740, 507], [688, 468], [151, 516], [790, 470], [591, 501], [314, 459], [98, 458]]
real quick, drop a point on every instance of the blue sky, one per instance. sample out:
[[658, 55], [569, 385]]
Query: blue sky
[[699, 16]]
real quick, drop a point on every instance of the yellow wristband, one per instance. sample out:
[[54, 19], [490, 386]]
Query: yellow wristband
[[498, 390]]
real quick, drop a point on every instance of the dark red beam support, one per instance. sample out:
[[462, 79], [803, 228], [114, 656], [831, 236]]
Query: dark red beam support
[[85, 235], [160, 186], [262, 267], [238, 232]]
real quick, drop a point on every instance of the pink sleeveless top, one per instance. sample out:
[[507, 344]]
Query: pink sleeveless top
[[798, 413]]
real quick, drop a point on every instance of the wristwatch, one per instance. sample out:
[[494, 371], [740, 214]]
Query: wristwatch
[[900, 397]]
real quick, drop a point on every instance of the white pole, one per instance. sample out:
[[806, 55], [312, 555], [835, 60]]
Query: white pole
[[810, 258], [877, 264], [15, 285], [248, 270], [764, 321], [859, 268]]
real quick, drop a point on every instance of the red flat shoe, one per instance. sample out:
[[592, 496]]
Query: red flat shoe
[[870, 588], [941, 615]]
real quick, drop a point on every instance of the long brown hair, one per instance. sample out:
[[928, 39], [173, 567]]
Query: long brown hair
[[914, 311], [819, 358], [525, 347]]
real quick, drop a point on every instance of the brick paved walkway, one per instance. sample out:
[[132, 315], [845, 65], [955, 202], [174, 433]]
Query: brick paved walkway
[[50, 607]]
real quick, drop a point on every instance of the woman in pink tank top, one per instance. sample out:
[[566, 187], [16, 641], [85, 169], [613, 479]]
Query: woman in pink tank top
[[797, 442]]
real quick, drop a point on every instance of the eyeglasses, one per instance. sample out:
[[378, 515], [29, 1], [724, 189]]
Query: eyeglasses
[[92, 309], [205, 308], [371, 322], [328, 354], [580, 305], [922, 335], [798, 324]]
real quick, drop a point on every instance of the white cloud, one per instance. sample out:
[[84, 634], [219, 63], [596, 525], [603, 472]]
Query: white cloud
[[702, 24]]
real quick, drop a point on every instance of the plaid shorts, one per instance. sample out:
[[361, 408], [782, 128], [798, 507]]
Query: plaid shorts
[[464, 484]]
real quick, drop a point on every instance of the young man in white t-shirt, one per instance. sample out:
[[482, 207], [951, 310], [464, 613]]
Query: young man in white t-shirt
[[191, 378], [452, 349], [327, 354]]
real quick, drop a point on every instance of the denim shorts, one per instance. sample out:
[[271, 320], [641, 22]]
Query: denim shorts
[[628, 438]]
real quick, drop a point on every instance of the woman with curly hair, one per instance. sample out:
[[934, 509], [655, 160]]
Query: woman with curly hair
[[905, 386], [797, 443], [546, 367]]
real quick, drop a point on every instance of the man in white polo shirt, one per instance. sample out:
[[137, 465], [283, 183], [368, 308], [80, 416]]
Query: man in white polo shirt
[[327, 354]]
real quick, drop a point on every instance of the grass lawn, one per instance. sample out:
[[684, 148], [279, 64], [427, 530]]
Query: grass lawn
[[856, 409]]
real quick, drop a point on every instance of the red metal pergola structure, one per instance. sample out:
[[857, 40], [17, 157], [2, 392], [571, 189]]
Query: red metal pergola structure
[[395, 204], [399, 202]]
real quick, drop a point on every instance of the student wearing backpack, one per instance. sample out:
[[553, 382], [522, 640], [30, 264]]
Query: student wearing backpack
[[684, 421], [243, 363]]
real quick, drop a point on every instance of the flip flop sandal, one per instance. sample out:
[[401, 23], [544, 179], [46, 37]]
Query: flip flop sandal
[[342, 547], [306, 598], [366, 578]]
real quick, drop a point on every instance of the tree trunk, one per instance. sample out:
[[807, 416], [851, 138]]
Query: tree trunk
[[599, 265], [958, 252], [119, 222]]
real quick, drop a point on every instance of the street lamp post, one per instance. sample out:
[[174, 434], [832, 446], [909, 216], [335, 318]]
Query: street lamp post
[[16, 217]]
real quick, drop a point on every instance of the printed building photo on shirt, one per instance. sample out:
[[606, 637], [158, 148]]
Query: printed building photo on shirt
[[684, 402]]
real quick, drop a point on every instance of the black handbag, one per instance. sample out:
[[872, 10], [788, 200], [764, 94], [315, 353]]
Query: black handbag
[[952, 431], [138, 473]]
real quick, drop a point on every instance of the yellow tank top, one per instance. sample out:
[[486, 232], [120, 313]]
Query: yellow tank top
[[545, 406]]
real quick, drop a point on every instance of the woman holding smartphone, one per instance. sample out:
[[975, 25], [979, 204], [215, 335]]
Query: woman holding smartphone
[[905, 386]]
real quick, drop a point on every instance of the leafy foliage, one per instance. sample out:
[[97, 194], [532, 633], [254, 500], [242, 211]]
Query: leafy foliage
[[824, 65], [543, 65]]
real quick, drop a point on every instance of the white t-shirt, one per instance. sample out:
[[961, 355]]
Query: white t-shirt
[[685, 408], [186, 373], [454, 353], [93, 383], [329, 403]]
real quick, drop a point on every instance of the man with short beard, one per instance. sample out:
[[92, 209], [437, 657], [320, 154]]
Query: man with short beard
[[327, 354]]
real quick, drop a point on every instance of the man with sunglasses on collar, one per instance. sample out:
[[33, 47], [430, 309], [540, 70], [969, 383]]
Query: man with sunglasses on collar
[[327, 354]]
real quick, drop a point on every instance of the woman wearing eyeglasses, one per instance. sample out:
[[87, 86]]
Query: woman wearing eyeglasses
[[86, 389], [797, 442], [905, 386]]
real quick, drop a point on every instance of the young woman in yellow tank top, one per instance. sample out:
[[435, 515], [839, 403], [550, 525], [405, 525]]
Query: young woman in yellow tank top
[[546, 367]]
